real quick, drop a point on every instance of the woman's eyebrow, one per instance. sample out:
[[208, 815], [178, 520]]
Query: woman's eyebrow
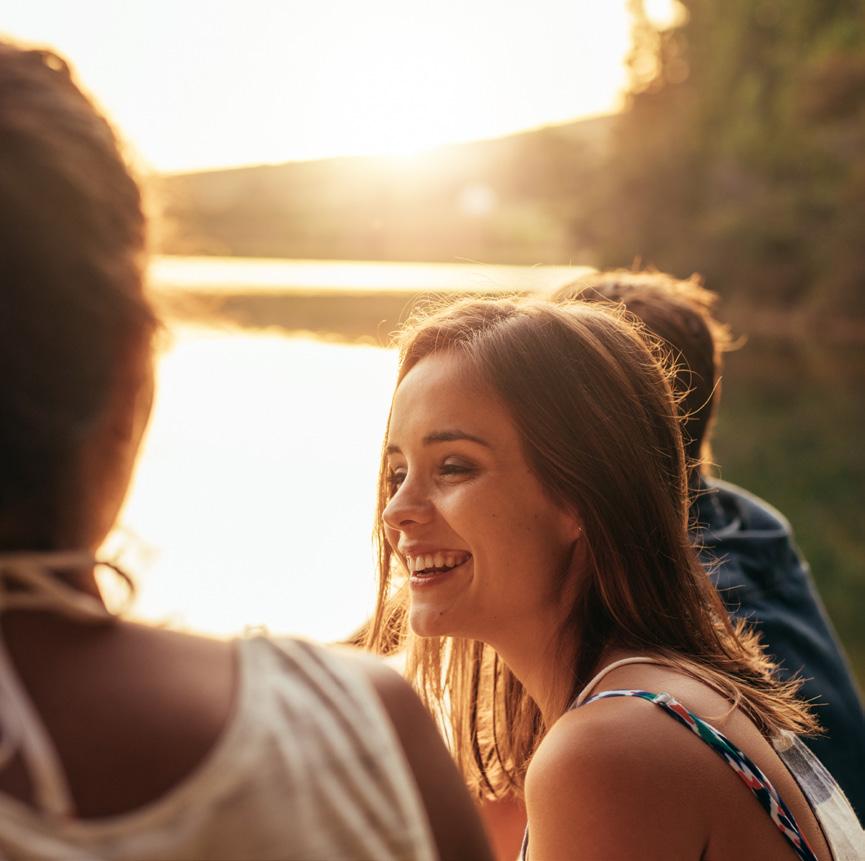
[[453, 435], [442, 436]]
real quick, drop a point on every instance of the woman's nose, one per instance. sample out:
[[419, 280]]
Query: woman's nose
[[409, 505]]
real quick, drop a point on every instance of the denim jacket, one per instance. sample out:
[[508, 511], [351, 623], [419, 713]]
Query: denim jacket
[[748, 549]]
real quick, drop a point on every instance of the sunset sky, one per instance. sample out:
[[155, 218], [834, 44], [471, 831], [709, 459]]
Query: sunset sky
[[197, 84]]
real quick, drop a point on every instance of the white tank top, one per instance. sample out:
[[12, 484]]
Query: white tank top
[[307, 767]]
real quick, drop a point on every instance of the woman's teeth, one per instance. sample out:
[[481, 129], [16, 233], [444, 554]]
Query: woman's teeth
[[434, 563]]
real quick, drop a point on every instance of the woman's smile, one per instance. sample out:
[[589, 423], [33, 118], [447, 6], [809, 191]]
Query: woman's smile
[[433, 569], [435, 562]]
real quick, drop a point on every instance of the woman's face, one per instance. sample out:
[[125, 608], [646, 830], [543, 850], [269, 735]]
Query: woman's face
[[485, 547]]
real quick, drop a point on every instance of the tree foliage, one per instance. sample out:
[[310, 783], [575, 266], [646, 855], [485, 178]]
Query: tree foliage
[[741, 153]]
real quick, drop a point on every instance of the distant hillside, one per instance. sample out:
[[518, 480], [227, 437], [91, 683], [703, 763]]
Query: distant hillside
[[508, 200]]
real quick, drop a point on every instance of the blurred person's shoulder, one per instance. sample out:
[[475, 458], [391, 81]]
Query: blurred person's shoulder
[[398, 743], [725, 510], [756, 513]]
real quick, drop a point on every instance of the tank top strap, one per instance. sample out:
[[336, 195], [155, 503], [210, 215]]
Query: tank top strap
[[27, 583], [596, 680], [24, 733], [744, 767]]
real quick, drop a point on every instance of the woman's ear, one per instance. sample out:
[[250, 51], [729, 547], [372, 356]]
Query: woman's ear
[[572, 525]]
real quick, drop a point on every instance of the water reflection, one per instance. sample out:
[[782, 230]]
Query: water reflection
[[237, 275], [353, 301], [254, 494]]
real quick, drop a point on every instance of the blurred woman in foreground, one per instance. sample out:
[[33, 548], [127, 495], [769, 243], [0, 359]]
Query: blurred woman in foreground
[[535, 562], [120, 740]]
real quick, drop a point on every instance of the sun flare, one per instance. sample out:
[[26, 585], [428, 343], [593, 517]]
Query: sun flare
[[199, 85]]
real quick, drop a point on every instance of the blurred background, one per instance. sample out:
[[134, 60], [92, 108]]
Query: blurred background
[[315, 167]]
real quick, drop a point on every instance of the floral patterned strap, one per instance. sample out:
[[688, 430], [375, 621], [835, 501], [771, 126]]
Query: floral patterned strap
[[747, 770]]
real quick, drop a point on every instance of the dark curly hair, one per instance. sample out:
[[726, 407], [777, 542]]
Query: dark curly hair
[[72, 306]]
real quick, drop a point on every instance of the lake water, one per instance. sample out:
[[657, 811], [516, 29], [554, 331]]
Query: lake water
[[253, 500], [235, 275]]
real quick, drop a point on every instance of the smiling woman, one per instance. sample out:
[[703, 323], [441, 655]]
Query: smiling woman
[[533, 541], [467, 513]]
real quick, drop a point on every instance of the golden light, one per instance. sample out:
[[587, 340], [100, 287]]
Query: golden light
[[253, 499], [254, 495], [205, 84]]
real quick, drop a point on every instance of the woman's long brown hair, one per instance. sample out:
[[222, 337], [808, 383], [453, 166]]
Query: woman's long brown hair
[[592, 402]]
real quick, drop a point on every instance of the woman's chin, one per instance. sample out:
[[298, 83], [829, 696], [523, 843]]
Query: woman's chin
[[427, 621], [439, 603], [423, 624]]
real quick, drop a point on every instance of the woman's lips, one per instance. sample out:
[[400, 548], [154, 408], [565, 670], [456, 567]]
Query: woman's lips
[[417, 562]]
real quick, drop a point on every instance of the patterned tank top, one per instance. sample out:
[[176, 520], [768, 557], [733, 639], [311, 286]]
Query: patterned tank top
[[833, 812]]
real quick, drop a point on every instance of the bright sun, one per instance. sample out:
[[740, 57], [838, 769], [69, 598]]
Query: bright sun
[[208, 83]]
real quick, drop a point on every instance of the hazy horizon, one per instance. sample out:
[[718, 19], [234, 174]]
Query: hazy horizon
[[406, 158]]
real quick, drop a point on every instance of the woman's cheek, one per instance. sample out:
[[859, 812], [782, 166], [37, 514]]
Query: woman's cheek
[[460, 507]]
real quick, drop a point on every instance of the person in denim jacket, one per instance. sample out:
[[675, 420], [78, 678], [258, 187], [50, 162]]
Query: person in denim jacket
[[745, 544]]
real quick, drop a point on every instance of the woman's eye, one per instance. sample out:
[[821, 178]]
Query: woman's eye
[[450, 468], [394, 479]]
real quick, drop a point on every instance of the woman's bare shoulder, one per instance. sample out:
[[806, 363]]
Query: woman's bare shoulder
[[612, 778], [624, 733]]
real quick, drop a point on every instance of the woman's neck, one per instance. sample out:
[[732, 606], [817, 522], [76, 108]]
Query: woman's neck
[[547, 672], [543, 664]]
